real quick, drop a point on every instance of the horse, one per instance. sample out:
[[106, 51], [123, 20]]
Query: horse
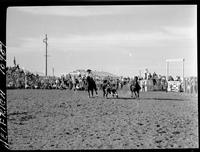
[[135, 87], [91, 86], [109, 89]]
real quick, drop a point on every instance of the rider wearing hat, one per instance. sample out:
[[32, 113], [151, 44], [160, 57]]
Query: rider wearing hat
[[90, 76]]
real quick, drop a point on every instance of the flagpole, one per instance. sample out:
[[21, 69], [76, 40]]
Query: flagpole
[[45, 41]]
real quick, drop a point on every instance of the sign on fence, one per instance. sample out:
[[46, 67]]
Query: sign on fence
[[175, 86]]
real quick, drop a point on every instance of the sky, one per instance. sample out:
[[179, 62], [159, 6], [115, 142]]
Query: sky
[[123, 40]]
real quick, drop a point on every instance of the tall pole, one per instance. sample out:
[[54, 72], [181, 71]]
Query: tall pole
[[45, 41], [183, 68], [183, 77], [46, 56], [167, 72], [53, 71]]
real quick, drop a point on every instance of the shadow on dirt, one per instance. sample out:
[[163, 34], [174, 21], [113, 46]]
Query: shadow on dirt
[[163, 99], [128, 98], [134, 98], [123, 98], [18, 113]]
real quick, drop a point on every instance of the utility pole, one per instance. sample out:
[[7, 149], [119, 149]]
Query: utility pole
[[183, 77], [45, 41], [183, 68]]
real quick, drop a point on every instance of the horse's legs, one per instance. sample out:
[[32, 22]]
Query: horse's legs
[[89, 93], [104, 92], [135, 94], [113, 94], [74, 86], [131, 94], [116, 94], [107, 94], [96, 91], [92, 92]]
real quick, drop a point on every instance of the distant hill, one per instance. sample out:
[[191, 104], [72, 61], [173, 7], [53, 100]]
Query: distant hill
[[95, 73]]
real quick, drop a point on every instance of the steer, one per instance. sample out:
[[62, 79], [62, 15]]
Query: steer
[[109, 89]]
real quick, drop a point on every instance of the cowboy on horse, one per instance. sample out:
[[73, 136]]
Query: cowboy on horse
[[91, 83], [135, 87]]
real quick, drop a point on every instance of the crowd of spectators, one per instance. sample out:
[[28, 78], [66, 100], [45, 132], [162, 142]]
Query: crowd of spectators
[[15, 77], [191, 85], [19, 78]]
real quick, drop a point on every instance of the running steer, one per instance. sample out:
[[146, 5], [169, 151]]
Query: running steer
[[109, 89]]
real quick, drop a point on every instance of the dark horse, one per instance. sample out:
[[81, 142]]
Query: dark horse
[[91, 85], [135, 87]]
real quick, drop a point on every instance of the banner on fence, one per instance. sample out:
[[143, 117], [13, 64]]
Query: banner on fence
[[175, 86]]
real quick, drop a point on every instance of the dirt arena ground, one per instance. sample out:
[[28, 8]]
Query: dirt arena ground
[[63, 119]]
